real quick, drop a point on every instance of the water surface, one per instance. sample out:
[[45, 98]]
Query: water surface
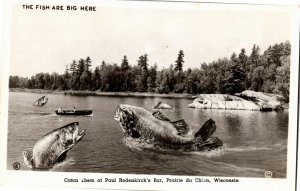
[[254, 141]]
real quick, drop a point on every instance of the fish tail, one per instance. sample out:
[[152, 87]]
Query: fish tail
[[206, 130]]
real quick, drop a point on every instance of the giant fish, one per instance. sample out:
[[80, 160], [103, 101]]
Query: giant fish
[[154, 128], [53, 147]]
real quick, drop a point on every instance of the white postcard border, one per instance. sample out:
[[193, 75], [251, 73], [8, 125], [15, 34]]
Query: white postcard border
[[57, 179]]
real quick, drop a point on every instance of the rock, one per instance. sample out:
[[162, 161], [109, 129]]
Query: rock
[[222, 101], [246, 100], [266, 102]]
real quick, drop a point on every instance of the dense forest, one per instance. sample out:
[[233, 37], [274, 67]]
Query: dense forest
[[267, 72]]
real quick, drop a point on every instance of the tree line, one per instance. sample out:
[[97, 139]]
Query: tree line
[[266, 72]]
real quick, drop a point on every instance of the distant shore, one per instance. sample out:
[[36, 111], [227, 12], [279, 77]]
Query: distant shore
[[264, 102], [99, 93]]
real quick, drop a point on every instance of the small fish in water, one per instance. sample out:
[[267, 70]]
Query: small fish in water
[[161, 105], [140, 125], [53, 147], [41, 101]]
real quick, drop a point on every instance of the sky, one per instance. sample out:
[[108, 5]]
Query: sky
[[46, 41]]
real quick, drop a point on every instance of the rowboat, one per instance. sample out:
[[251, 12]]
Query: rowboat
[[72, 112]]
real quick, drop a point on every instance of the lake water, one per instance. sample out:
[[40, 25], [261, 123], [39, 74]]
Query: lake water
[[254, 142]]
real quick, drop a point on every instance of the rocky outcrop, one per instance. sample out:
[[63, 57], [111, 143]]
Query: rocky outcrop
[[266, 102], [247, 100]]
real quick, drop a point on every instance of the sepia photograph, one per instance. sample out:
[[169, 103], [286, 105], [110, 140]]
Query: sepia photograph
[[151, 88]]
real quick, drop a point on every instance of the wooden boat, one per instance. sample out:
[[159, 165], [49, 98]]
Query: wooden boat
[[72, 112], [41, 101]]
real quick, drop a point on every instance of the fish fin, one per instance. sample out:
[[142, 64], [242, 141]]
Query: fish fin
[[206, 130], [157, 104], [159, 115], [62, 156], [181, 127], [28, 158]]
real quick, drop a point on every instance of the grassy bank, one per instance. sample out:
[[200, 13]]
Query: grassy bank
[[99, 93]]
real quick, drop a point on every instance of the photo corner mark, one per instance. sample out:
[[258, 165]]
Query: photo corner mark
[[16, 166]]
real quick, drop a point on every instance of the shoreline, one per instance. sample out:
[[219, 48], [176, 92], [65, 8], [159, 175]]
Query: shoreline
[[99, 93], [225, 104]]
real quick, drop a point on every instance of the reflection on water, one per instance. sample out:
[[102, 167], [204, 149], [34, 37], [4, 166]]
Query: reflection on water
[[253, 141]]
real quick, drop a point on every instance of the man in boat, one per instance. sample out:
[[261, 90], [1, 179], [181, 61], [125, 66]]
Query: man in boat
[[59, 110], [74, 109]]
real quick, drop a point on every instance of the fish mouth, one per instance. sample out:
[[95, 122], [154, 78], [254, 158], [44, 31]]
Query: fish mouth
[[73, 137], [124, 115], [121, 115], [77, 136], [80, 136], [121, 111], [117, 115]]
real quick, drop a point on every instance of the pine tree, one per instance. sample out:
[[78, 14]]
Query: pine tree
[[96, 79], [242, 58], [254, 56], [73, 67], [103, 64], [179, 62], [235, 77], [124, 64], [152, 78], [88, 62], [143, 64], [125, 75]]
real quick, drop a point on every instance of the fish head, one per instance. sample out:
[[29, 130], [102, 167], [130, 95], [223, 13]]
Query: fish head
[[69, 135], [53, 147], [138, 123], [126, 116]]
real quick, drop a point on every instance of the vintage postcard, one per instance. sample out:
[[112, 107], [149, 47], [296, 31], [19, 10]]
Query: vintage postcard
[[149, 95]]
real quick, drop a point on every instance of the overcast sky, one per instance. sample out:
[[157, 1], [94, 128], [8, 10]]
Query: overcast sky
[[45, 41]]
